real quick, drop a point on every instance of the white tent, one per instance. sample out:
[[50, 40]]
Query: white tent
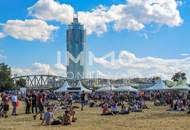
[[180, 87], [23, 91], [64, 88], [159, 86], [82, 88], [106, 89], [126, 89]]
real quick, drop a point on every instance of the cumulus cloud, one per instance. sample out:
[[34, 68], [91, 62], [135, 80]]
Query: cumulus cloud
[[138, 13], [133, 15], [28, 29], [129, 65], [52, 10], [39, 68]]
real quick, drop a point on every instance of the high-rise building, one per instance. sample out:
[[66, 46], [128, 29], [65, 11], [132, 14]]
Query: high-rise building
[[76, 55]]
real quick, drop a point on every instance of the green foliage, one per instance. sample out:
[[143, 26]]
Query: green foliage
[[170, 83], [179, 78], [6, 83], [21, 83]]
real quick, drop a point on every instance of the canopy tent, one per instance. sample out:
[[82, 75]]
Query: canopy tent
[[79, 88], [64, 88], [79, 85], [126, 89], [159, 86], [23, 91], [180, 87], [106, 89]]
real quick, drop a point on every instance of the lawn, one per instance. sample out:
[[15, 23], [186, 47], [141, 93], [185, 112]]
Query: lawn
[[155, 118]]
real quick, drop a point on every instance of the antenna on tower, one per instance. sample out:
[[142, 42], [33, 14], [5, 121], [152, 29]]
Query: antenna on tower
[[75, 17]]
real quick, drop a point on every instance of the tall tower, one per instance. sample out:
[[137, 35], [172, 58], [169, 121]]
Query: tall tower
[[76, 36]]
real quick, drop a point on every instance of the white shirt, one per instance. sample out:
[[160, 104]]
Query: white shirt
[[14, 98]]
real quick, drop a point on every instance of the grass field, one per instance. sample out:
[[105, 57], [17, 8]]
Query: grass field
[[155, 118]]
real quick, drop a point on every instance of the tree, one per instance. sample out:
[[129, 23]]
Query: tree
[[156, 78], [179, 76], [6, 82], [21, 83]]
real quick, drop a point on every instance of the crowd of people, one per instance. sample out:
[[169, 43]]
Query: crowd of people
[[38, 104]]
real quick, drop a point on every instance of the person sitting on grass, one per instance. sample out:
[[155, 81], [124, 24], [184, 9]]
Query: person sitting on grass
[[72, 113], [135, 107], [105, 110], [66, 118], [49, 118], [114, 108], [124, 110]]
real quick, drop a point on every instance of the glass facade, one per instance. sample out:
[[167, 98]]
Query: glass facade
[[76, 36]]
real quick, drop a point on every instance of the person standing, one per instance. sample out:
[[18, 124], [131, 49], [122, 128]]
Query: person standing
[[34, 104], [40, 105], [14, 103], [28, 103], [5, 101], [82, 100]]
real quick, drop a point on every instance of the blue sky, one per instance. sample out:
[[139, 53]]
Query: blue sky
[[154, 40]]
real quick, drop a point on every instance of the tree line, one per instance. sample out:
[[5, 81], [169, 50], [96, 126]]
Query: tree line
[[6, 81]]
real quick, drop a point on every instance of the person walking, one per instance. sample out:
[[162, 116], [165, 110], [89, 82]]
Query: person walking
[[14, 103]]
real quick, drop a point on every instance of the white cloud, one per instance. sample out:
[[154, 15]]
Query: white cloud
[[138, 13], [29, 29], [52, 10], [38, 68], [184, 54], [133, 15], [95, 20], [129, 66], [2, 35]]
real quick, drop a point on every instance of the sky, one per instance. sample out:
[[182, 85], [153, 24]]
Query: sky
[[148, 37]]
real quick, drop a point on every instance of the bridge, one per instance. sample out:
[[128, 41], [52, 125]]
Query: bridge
[[41, 81]]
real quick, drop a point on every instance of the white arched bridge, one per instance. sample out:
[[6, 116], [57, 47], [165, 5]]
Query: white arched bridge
[[41, 81], [46, 81]]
